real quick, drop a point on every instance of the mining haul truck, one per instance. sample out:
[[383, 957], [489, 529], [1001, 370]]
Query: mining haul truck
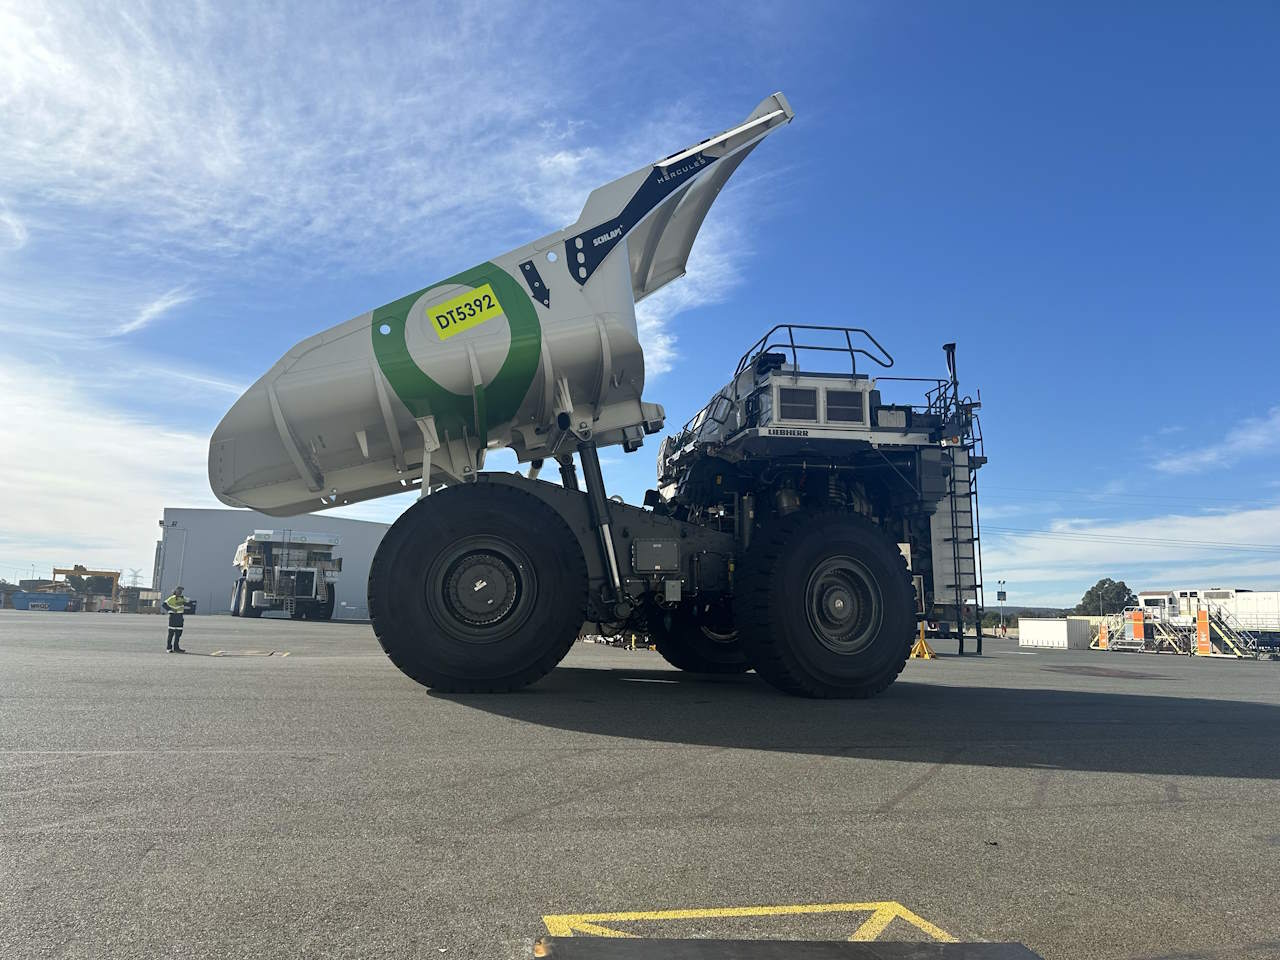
[[283, 570], [793, 516]]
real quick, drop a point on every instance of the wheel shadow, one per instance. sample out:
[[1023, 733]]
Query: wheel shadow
[[917, 722]]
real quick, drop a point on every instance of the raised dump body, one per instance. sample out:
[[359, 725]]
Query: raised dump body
[[523, 351]]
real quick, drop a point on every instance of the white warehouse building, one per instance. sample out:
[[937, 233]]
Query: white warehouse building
[[197, 546]]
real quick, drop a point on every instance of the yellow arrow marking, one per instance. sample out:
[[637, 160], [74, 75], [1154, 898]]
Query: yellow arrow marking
[[883, 912]]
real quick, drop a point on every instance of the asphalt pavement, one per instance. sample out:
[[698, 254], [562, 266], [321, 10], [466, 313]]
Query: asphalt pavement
[[295, 796]]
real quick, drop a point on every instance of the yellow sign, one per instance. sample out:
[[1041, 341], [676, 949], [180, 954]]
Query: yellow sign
[[464, 311], [882, 913]]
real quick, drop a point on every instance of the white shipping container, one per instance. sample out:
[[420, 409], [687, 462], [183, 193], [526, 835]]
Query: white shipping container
[[1049, 634]]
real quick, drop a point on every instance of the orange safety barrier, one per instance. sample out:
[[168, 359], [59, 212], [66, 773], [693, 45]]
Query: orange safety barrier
[[1204, 646]]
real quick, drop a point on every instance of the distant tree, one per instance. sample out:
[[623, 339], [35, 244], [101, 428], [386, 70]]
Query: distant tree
[[77, 584], [98, 585], [1104, 597]]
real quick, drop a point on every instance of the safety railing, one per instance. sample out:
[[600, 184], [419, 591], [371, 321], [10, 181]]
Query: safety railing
[[1232, 631], [782, 338]]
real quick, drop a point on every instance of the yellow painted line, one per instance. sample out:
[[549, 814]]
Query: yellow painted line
[[883, 912], [249, 653], [874, 925], [917, 921]]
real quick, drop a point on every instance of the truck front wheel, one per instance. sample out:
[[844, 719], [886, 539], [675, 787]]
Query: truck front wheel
[[247, 609], [324, 611], [699, 638], [479, 588], [825, 606]]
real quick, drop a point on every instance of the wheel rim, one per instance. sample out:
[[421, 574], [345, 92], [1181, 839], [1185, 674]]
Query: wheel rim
[[715, 623], [725, 637], [843, 605], [482, 587]]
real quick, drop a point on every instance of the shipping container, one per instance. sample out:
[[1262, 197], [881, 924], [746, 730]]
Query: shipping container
[[1070, 634], [58, 602]]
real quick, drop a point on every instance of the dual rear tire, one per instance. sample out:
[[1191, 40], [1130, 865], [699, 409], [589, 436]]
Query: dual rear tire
[[699, 637], [247, 609]]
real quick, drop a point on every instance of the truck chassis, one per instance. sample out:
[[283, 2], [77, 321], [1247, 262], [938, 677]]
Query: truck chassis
[[792, 532]]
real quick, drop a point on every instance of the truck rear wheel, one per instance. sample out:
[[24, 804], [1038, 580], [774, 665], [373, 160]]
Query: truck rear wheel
[[479, 588], [825, 606], [235, 598], [699, 638]]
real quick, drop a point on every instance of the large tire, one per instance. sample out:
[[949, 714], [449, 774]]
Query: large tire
[[235, 598], [825, 606], [698, 637], [480, 588], [247, 609]]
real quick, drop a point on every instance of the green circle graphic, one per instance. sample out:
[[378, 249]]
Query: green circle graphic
[[496, 403]]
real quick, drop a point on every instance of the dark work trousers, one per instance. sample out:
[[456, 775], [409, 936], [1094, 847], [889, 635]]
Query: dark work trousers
[[175, 631]]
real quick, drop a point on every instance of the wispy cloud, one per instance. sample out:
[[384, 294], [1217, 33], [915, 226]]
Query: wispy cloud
[[156, 309], [86, 484], [13, 232], [1250, 438], [354, 137], [1055, 562], [712, 275], [205, 143]]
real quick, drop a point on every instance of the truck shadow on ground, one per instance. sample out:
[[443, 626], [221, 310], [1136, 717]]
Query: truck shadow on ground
[[918, 722]]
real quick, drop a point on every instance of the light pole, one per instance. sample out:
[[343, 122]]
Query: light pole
[[165, 528], [1000, 595]]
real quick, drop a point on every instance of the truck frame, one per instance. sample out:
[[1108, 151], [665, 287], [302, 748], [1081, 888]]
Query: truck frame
[[801, 526], [284, 570]]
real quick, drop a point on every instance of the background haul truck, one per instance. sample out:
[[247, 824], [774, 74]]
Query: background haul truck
[[283, 570], [793, 512]]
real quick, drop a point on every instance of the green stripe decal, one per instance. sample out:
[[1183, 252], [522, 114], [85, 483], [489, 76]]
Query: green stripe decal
[[497, 402]]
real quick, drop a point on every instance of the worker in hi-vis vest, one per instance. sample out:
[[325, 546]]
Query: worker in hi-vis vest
[[176, 604]]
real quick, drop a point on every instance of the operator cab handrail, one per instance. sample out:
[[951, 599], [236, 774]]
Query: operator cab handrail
[[763, 346], [716, 412]]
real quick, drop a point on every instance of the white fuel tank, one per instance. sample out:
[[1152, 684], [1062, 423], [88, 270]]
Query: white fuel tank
[[533, 350]]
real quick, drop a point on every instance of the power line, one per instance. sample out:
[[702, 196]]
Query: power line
[[1096, 496], [1085, 537]]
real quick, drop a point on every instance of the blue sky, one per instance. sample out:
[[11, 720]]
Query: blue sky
[[1083, 196]]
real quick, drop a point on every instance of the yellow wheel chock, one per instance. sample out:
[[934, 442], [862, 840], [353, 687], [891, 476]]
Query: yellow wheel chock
[[921, 650]]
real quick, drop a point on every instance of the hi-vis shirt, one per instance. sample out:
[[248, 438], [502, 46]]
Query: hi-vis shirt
[[176, 604]]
